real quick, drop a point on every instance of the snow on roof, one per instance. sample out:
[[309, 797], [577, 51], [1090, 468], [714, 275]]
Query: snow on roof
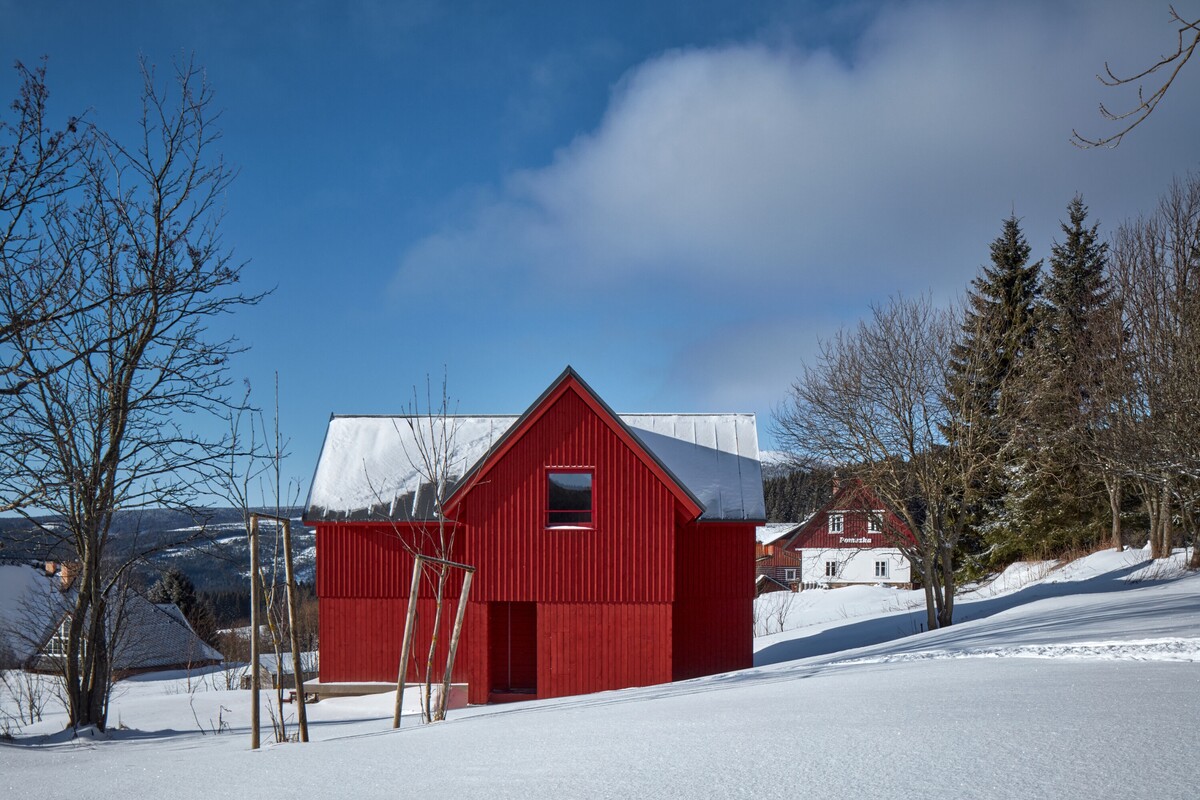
[[148, 635], [366, 467], [772, 531], [29, 609]]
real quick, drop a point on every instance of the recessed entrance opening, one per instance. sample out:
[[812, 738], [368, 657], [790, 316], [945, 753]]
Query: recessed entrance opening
[[512, 651]]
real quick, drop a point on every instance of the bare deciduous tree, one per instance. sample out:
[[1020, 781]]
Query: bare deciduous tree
[[1156, 272], [1170, 64], [39, 169], [431, 447], [116, 389], [874, 403], [251, 480]]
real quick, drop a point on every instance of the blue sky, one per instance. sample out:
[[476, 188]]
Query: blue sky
[[678, 199]]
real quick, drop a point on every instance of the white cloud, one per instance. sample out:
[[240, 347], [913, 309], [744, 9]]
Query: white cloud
[[756, 175]]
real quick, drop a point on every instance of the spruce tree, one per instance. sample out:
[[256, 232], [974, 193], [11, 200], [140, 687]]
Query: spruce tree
[[999, 325], [1056, 501]]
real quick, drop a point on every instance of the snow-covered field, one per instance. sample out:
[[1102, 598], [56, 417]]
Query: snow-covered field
[[1076, 682]]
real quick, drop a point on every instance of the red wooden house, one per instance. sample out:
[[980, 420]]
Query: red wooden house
[[776, 568], [852, 539], [611, 550]]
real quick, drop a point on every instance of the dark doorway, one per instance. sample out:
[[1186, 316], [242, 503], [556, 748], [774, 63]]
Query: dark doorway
[[512, 650]]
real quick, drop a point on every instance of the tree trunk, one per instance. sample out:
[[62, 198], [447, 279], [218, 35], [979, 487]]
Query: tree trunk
[[439, 598], [1113, 485], [1166, 527], [927, 578], [1150, 499], [946, 615], [1189, 521], [89, 670]]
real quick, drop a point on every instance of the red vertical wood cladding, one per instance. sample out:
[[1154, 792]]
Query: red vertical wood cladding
[[712, 635], [625, 556], [361, 638], [641, 596], [475, 659], [369, 560], [592, 647], [714, 606], [714, 559]]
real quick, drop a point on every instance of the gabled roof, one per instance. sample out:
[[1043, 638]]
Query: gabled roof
[[853, 495], [366, 468], [158, 636], [761, 582], [569, 381], [30, 610], [148, 636]]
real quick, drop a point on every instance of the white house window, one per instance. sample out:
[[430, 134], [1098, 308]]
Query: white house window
[[56, 647], [881, 569], [875, 522], [831, 569], [789, 574], [835, 523]]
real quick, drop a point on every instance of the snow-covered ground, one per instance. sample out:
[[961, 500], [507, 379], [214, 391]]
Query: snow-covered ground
[[1077, 682]]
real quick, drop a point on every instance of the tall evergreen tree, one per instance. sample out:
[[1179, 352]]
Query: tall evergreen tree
[[998, 332], [1076, 289], [1055, 499]]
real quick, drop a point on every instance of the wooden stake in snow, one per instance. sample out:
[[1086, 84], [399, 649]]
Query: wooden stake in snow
[[255, 600], [410, 626], [297, 668], [405, 648]]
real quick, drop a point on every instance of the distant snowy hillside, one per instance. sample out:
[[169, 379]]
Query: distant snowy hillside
[[210, 545]]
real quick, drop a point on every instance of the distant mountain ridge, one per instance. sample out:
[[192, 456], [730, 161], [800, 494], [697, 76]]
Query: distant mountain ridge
[[210, 545]]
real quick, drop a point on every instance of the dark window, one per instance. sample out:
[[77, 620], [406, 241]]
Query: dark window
[[831, 569], [569, 498]]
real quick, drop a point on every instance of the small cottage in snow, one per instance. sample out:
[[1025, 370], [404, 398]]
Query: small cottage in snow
[[611, 550], [35, 608]]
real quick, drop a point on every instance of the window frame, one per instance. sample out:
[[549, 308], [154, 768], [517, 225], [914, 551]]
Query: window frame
[[547, 511], [874, 522], [883, 569], [789, 574], [832, 569], [56, 645], [840, 519]]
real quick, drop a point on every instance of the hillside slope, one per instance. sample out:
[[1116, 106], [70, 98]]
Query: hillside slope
[[1080, 683]]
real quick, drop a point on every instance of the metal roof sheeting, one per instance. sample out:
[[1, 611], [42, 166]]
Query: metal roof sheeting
[[366, 469]]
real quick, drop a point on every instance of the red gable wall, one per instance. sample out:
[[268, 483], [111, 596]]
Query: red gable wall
[[625, 557], [642, 596]]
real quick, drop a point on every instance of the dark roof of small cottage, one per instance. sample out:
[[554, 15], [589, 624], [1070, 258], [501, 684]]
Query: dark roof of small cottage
[[144, 635]]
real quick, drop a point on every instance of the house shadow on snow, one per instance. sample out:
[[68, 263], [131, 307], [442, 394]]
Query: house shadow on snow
[[898, 626]]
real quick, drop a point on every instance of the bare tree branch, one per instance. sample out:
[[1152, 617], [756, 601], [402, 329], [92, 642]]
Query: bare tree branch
[[113, 383], [1188, 39]]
